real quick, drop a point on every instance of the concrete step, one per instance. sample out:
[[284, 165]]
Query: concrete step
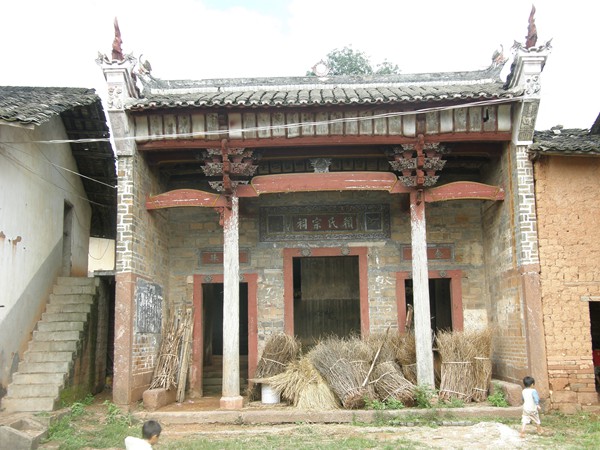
[[56, 335], [33, 390], [71, 298], [29, 404], [67, 289], [44, 367], [60, 326], [47, 356], [68, 307], [64, 317], [38, 378], [52, 346], [75, 281]]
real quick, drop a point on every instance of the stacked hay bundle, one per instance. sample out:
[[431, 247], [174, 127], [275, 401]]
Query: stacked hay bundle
[[386, 376], [303, 386], [344, 364], [457, 352], [482, 364], [280, 349], [405, 351]]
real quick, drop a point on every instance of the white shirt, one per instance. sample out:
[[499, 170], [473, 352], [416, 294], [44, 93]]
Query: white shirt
[[531, 399], [133, 443]]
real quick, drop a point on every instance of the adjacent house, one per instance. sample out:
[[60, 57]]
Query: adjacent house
[[328, 204], [56, 191], [566, 168]]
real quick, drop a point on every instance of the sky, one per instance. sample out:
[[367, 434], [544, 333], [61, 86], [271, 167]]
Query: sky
[[56, 42]]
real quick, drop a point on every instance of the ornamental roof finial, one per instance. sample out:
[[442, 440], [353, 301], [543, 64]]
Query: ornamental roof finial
[[117, 51], [531, 38]]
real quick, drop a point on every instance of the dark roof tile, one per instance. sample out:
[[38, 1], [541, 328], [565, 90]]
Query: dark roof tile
[[573, 141]]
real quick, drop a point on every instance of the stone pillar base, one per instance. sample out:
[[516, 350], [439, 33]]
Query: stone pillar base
[[236, 402]]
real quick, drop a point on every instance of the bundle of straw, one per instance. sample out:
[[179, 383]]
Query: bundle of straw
[[280, 349], [390, 383], [342, 365], [482, 365], [457, 352], [381, 345], [303, 386], [405, 351]]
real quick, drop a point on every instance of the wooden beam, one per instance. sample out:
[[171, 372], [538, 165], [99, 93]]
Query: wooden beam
[[464, 190], [332, 181], [178, 144], [184, 197]]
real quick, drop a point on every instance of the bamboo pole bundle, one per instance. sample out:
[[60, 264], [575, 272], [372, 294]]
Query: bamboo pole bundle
[[390, 383], [167, 362], [280, 349], [185, 351], [342, 365]]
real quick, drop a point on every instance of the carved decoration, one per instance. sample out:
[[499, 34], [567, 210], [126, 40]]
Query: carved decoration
[[528, 116], [320, 165], [117, 51], [219, 185], [532, 85]]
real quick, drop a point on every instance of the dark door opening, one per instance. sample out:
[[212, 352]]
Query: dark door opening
[[212, 323], [326, 297], [440, 304], [66, 242], [595, 331]]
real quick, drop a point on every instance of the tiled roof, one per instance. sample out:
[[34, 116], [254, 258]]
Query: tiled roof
[[85, 124], [566, 142], [36, 105], [337, 90]]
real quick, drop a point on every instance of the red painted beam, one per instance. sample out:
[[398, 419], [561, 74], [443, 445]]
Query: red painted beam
[[184, 197], [336, 181], [464, 190]]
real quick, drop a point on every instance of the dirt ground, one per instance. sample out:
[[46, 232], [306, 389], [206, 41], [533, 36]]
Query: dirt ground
[[484, 435]]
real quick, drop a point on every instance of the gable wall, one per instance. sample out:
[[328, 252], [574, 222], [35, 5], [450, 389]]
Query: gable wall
[[568, 206], [32, 196]]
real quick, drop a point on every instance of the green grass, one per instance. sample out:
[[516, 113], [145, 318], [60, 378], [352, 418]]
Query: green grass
[[104, 425]]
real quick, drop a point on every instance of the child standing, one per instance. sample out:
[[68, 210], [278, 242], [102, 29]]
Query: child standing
[[150, 433], [531, 406]]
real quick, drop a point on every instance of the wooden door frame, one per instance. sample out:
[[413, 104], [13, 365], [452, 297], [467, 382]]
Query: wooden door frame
[[251, 279], [288, 281], [456, 307]]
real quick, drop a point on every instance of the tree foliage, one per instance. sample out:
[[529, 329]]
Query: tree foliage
[[348, 61]]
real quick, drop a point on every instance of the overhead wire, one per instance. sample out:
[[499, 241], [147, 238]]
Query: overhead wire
[[194, 134]]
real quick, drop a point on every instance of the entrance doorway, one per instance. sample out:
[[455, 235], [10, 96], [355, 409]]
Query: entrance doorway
[[440, 303], [326, 297], [66, 239], [595, 332], [212, 325]]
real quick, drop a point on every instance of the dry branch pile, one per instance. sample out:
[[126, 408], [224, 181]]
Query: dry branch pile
[[174, 354], [390, 383], [280, 349], [344, 364], [462, 374], [303, 386], [405, 350]]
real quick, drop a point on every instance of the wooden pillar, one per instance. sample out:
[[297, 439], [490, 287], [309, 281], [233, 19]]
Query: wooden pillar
[[422, 318], [231, 398]]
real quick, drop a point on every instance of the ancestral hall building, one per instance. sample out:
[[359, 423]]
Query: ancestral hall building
[[319, 205]]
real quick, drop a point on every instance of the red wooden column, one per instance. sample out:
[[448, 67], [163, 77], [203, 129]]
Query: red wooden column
[[231, 398], [422, 319]]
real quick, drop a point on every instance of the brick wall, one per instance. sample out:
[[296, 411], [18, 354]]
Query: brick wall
[[142, 238], [569, 228], [457, 224], [504, 309]]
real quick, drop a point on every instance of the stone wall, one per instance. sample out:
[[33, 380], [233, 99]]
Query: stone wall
[[569, 227]]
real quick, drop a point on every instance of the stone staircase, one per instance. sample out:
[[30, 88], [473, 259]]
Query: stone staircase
[[47, 362], [212, 383]]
